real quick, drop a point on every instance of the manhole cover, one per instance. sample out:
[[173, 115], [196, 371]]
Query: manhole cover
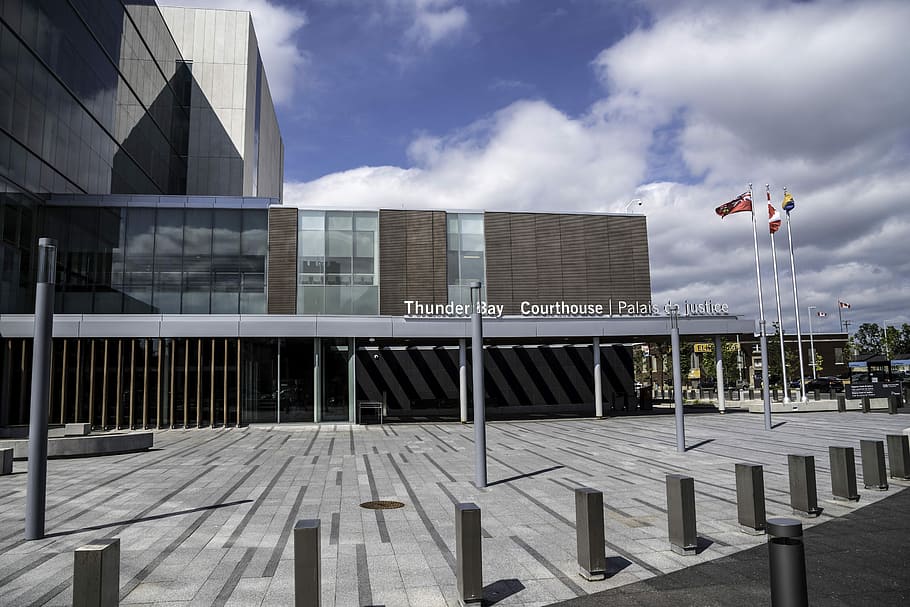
[[382, 505]]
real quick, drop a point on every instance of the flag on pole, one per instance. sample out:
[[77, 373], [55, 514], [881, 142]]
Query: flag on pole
[[773, 219], [843, 304], [741, 203], [788, 203], [822, 314]]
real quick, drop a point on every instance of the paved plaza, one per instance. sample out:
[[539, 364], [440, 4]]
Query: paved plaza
[[206, 517]]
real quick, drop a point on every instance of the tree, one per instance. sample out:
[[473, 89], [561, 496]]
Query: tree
[[774, 367], [902, 345], [868, 339]]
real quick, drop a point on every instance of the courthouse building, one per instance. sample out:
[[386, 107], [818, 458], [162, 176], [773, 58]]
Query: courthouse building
[[144, 140]]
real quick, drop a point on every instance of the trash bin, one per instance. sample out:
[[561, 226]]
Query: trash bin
[[644, 398], [787, 563]]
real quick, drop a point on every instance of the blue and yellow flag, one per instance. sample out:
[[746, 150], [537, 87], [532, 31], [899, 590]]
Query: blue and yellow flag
[[788, 204]]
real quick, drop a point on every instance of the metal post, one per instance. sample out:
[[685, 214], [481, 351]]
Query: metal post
[[867, 404], [803, 492], [681, 514], [780, 325], [480, 430], [598, 381], [278, 392], [463, 379], [899, 455], [307, 576], [468, 553], [799, 337], [750, 498], [719, 371], [787, 563], [875, 476], [677, 381], [765, 388], [36, 494], [843, 474], [589, 532], [812, 342], [96, 574]]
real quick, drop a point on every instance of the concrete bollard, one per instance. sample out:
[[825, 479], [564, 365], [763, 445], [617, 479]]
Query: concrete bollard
[[750, 498], [874, 474], [899, 455], [681, 514], [307, 564], [843, 474], [96, 574], [841, 403], [803, 492], [77, 429], [817, 395], [787, 563], [589, 530], [867, 404], [6, 461], [468, 553]]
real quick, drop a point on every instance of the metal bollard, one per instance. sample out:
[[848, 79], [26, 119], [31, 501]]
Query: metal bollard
[[899, 455], [867, 404], [751, 394], [589, 531], [787, 563], [307, 569], [817, 395], [468, 553], [750, 498], [874, 474], [6, 461], [893, 403], [96, 574], [803, 493], [774, 394], [843, 474], [832, 395], [841, 403], [681, 514]]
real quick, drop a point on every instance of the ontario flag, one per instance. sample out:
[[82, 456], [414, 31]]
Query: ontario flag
[[773, 219], [741, 203]]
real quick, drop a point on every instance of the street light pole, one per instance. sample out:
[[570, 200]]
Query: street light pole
[[36, 494], [677, 381], [811, 341], [480, 430]]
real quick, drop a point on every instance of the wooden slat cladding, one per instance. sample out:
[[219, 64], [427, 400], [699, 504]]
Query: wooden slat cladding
[[412, 259], [544, 258], [498, 252], [282, 270]]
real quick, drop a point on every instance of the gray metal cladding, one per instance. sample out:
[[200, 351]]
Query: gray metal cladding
[[412, 259], [425, 378], [549, 257], [282, 261]]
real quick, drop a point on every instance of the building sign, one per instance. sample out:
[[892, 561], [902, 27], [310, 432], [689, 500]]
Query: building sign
[[611, 308], [873, 389], [703, 348]]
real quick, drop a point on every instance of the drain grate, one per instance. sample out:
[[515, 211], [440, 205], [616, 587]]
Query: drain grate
[[382, 505]]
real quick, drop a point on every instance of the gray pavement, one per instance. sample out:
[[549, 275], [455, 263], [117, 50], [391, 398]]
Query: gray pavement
[[206, 518]]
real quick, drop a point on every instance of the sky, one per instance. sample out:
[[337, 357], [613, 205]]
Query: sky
[[586, 105]]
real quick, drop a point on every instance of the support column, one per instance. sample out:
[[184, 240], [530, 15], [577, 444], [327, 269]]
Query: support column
[[4, 383], [719, 369], [212, 388], [598, 381], [132, 379], [463, 379], [677, 383], [119, 391], [198, 383], [91, 385], [63, 384], [238, 382], [145, 385], [224, 418], [77, 395], [317, 379], [104, 389]]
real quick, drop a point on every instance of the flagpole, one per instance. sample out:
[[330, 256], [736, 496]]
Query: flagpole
[[799, 335], [766, 392], [780, 321]]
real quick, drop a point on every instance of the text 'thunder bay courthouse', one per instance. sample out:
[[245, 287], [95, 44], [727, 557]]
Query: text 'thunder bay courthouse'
[[144, 140]]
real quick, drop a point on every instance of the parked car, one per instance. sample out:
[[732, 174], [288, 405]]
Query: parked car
[[825, 384]]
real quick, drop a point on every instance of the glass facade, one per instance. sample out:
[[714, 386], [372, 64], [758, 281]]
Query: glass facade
[[465, 255], [141, 260], [89, 98], [338, 262]]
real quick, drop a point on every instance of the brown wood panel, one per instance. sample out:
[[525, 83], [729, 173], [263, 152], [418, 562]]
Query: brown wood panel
[[524, 260], [497, 234], [548, 249], [440, 265], [419, 267], [598, 265], [282, 266], [574, 268], [392, 262]]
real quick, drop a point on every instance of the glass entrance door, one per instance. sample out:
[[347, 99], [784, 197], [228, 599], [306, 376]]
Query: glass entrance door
[[295, 397], [337, 370]]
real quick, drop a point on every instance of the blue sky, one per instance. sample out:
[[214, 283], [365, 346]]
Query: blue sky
[[584, 105]]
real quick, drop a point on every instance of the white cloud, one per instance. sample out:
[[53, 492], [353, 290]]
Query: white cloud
[[276, 30], [813, 96], [435, 21]]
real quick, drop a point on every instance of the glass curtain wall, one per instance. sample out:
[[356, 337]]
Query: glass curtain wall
[[465, 255], [338, 270]]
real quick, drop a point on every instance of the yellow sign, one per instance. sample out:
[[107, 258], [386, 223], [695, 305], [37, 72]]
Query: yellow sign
[[702, 348]]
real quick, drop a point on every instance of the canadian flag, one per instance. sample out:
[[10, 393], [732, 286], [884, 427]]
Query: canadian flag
[[843, 304], [822, 314], [773, 219]]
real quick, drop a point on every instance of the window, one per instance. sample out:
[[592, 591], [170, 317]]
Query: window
[[465, 255]]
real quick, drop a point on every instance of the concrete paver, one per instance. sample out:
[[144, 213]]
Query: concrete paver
[[206, 517]]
